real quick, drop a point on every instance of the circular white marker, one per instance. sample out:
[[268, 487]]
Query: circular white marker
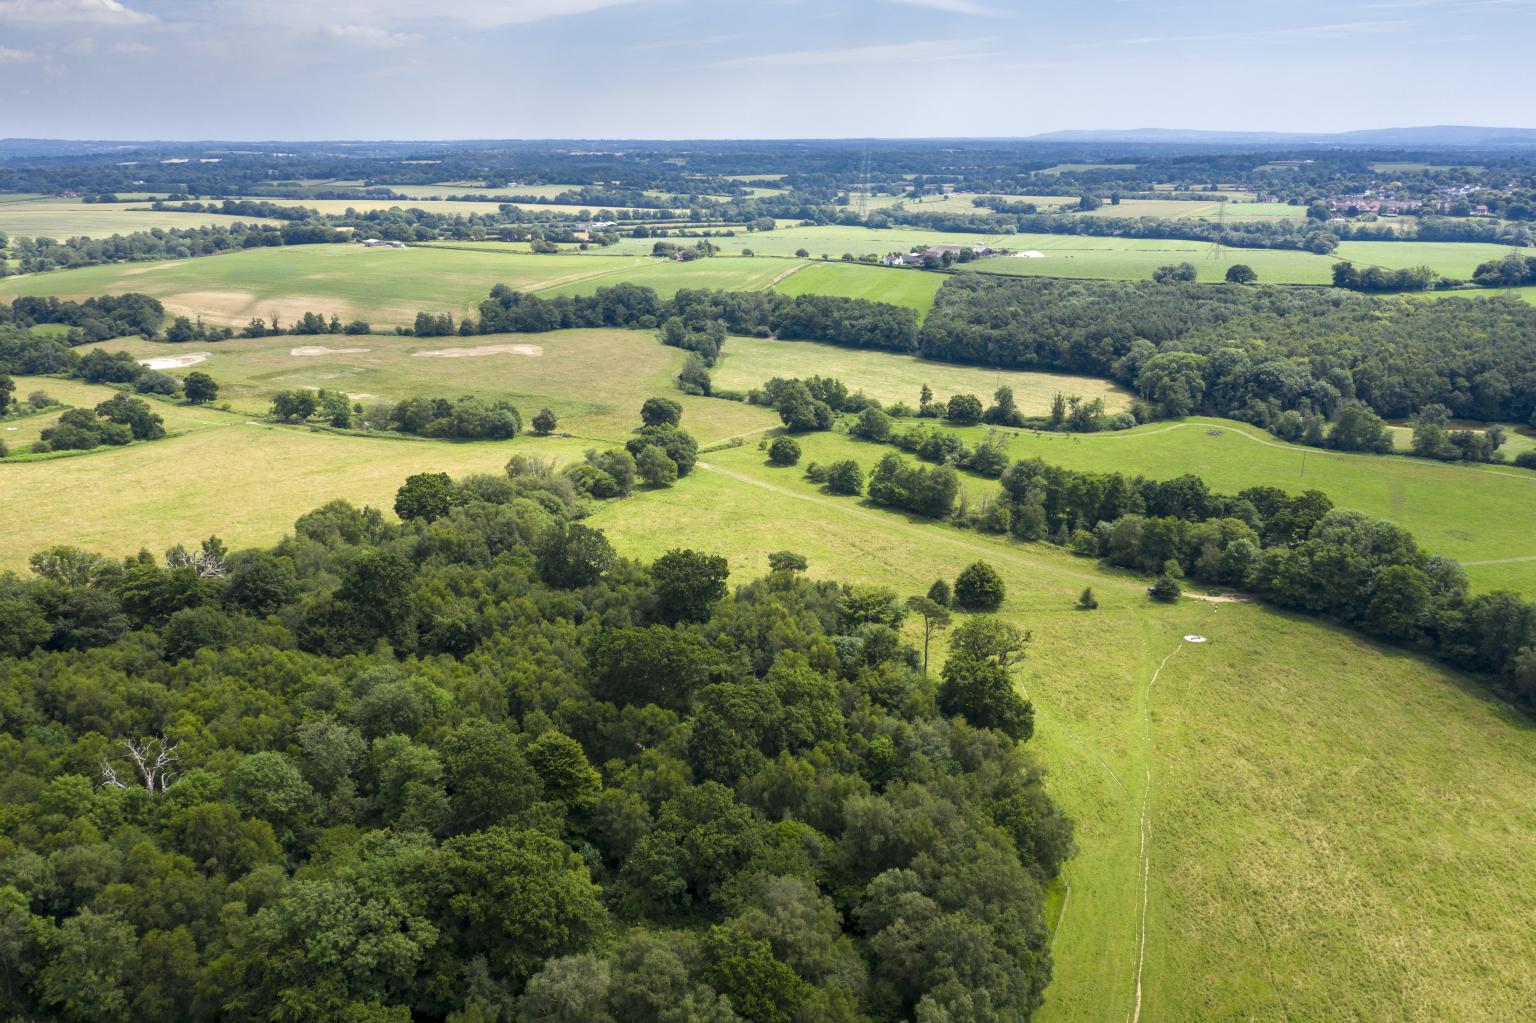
[[1194, 639]]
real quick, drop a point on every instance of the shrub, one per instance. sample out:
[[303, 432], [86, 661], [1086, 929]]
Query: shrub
[[1164, 590], [1086, 601], [845, 477], [784, 451], [979, 588]]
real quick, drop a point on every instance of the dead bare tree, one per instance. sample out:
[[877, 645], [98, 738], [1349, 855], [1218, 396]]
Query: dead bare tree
[[154, 760], [207, 561]]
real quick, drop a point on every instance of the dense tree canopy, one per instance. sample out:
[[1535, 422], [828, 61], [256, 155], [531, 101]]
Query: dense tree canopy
[[473, 766]]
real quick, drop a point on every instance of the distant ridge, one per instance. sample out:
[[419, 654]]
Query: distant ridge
[[1433, 135]]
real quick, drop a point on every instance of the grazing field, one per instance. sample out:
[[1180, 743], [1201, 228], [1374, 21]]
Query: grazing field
[[910, 288], [1449, 259], [1482, 515], [51, 217], [1111, 258], [384, 286], [571, 373], [834, 240], [1334, 830], [747, 362]]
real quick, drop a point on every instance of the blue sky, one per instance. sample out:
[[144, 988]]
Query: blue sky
[[304, 69]]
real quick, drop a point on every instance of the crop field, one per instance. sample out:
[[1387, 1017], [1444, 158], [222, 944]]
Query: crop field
[[1283, 775], [834, 240], [727, 273], [51, 217], [910, 288], [443, 206], [746, 362]]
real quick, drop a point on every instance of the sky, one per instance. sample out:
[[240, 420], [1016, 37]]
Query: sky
[[448, 69]]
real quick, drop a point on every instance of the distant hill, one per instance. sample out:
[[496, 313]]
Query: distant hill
[[1435, 135]]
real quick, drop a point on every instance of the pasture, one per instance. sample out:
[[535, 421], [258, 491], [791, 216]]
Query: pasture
[[747, 362], [52, 217], [384, 286], [1110, 258], [1284, 772], [1481, 515], [570, 371]]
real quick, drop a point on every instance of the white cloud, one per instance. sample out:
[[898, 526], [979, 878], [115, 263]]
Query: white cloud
[[132, 49], [922, 51], [370, 36], [951, 6], [99, 12], [14, 56]]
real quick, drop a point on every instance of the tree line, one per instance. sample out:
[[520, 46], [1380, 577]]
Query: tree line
[[1248, 353], [475, 766]]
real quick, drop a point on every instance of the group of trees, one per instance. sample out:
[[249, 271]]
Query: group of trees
[[845, 321], [465, 418], [475, 766], [1249, 353], [1379, 279], [116, 421], [97, 319]]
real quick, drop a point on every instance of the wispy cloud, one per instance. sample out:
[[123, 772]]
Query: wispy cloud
[[922, 51], [1337, 29], [8, 55], [52, 12], [371, 36], [953, 6]]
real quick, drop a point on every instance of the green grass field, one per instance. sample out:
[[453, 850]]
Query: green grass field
[[874, 283], [1110, 258], [747, 362], [384, 286], [1334, 830], [51, 217]]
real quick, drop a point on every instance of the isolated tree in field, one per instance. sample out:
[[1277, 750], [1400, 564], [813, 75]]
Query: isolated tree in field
[[661, 412], [544, 423], [1089, 203], [200, 388], [7, 390], [427, 496], [1241, 273], [939, 593], [1165, 590], [935, 617], [802, 253], [655, 467], [784, 451], [687, 584], [1086, 601], [979, 588], [787, 562]]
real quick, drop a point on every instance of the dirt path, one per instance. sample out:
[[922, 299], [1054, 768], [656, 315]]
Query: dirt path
[[792, 270]]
